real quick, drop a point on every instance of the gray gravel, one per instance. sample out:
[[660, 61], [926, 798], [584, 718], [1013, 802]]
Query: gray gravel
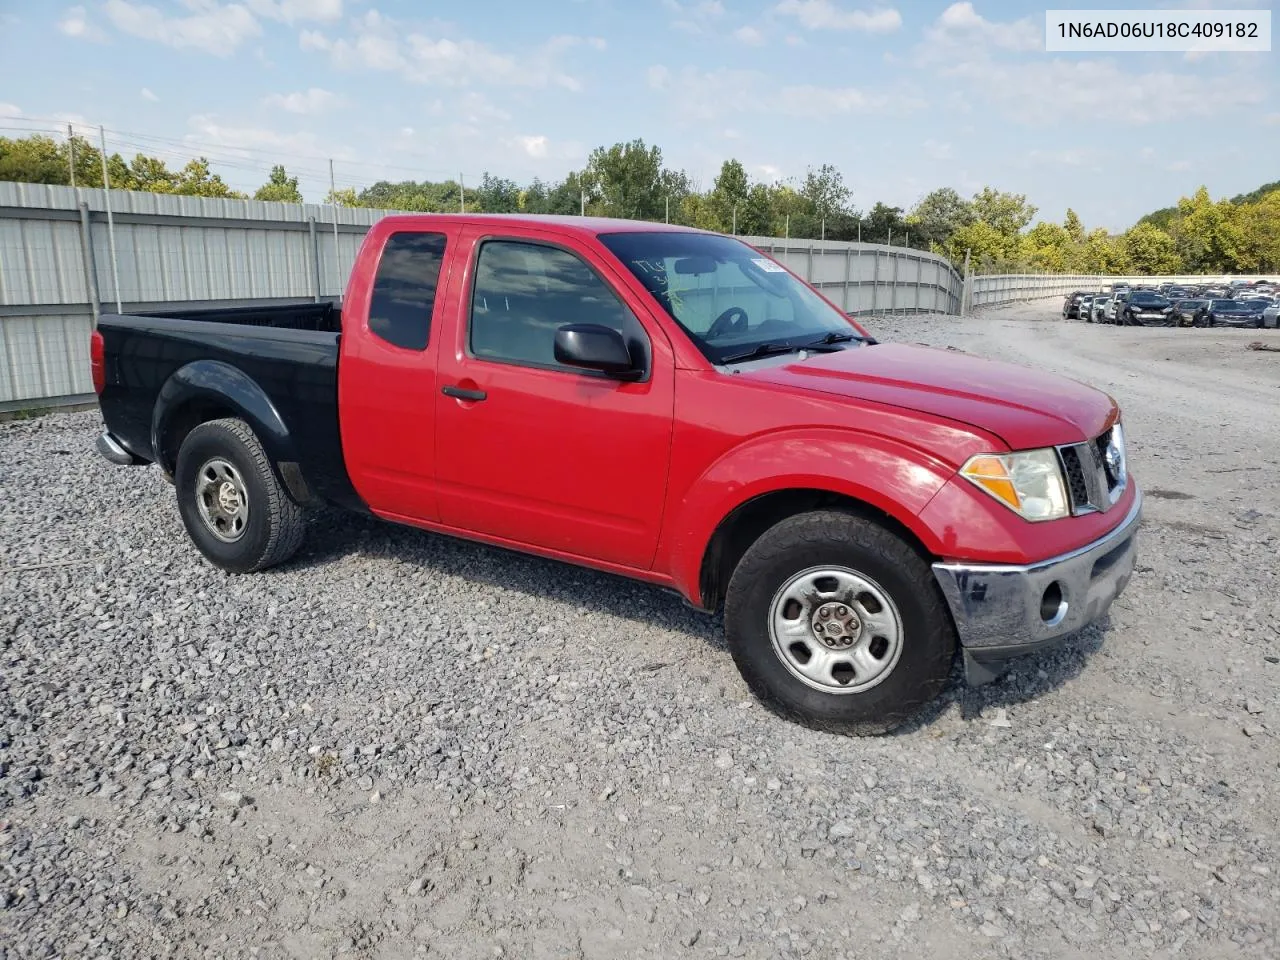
[[400, 745]]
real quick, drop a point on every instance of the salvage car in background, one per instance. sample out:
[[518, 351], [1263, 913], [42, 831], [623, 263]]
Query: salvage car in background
[[1189, 313], [1271, 316], [1145, 308], [1098, 312], [1232, 313], [1071, 304]]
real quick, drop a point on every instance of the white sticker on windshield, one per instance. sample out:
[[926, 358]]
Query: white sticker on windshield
[[768, 266]]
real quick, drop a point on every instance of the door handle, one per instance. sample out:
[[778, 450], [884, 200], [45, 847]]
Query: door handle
[[462, 393]]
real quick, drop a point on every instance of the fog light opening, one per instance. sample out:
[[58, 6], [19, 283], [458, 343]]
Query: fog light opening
[[1053, 606]]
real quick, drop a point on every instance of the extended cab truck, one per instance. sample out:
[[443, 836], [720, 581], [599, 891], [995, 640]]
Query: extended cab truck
[[658, 402]]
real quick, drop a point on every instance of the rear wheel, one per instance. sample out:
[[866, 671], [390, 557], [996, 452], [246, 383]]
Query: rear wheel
[[235, 510], [838, 623]]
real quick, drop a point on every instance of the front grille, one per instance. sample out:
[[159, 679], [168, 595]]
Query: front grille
[[1075, 476], [1094, 484]]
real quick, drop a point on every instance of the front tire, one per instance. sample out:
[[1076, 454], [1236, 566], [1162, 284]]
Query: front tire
[[234, 508], [838, 623]]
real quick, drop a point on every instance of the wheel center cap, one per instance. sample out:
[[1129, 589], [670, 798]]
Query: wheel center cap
[[835, 625], [228, 497]]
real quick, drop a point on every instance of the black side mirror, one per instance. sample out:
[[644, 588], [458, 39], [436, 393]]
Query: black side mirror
[[594, 347]]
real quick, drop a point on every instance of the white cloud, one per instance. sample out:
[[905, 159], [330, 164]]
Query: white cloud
[[10, 110], [1179, 166], [535, 146], [696, 18], [749, 35], [213, 27], [377, 42], [146, 94], [659, 77], [75, 23], [406, 131], [472, 109], [1052, 91], [961, 25], [825, 15], [250, 142], [313, 40], [809, 100], [308, 102], [291, 11]]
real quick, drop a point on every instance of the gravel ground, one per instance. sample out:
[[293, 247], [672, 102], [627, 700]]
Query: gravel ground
[[400, 745]]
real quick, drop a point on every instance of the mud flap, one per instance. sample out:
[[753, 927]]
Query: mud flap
[[978, 672]]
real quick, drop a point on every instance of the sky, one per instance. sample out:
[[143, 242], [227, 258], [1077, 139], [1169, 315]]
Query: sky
[[901, 97]]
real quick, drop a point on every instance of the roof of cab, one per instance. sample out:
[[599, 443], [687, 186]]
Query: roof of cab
[[580, 226]]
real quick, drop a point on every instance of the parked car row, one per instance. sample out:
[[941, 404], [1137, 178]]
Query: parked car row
[[1240, 303]]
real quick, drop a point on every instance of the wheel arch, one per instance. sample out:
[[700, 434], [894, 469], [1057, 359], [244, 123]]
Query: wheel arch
[[743, 525], [206, 390]]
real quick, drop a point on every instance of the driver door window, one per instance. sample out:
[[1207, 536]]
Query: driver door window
[[524, 292]]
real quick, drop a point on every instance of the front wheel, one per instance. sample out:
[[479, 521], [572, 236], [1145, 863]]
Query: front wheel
[[234, 508], [838, 623]]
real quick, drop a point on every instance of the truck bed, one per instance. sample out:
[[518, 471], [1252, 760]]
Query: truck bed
[[157, 360], [323, 317]]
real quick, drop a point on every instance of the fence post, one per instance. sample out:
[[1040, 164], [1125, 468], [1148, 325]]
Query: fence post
[[893, 284], [315, 258], [848, 276], [86, 257], [875, 284]]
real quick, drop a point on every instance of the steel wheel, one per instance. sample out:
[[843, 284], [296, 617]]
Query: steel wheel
[[222, 500], [835, 630]]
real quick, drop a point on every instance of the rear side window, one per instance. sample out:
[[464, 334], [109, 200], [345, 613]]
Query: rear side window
[[404, 289]]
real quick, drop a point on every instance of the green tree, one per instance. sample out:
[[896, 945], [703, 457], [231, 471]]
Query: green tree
[[1009, 213], [1073, 226], [36, 159], [882, 223], [280, 187], [1150, 251], [1101, 253], [989, 248], [343, 198], [826, 192], [938, 215], [195, 180], [497, 195], [1047, 248], [625, 181]]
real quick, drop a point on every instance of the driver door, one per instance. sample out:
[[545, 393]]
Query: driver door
[[536, 453]]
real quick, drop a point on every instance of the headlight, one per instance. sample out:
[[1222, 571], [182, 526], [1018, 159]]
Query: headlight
[[1028, 482]]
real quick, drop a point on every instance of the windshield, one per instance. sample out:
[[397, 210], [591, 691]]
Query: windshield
[[1190, 304], [1148, 300], [1229, 306], [727, 296]]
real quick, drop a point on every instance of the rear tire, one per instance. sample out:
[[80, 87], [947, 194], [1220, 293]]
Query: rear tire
[[234, 508], [897, 642]]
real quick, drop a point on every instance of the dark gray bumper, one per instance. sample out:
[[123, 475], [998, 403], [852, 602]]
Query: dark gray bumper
[[111, 450], [999, 611]]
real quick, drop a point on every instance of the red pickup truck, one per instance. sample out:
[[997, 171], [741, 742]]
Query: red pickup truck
[[662, 403]]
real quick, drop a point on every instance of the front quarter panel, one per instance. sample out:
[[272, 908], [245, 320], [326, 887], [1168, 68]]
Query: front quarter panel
[[885, 474]]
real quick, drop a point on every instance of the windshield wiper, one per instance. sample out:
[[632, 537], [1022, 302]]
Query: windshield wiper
[[770, 348], [834, 337]]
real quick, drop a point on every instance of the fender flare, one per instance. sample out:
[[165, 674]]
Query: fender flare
[[887, 475], [220, 384]]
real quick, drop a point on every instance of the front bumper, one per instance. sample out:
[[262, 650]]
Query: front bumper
[[1000, 611]]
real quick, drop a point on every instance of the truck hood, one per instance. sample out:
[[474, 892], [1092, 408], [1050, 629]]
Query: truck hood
[[1023, 407]]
